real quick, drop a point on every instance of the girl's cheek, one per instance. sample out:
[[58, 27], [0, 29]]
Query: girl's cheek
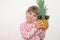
[[27, 16]]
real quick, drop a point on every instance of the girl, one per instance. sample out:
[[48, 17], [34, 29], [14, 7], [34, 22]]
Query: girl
[[31, 29]]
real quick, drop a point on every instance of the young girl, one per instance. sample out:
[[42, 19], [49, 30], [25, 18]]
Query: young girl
[[31, 29]]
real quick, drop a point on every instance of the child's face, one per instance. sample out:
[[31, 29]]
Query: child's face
[[31, 17]]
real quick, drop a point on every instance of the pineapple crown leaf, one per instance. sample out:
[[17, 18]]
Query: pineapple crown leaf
[[42, 8]]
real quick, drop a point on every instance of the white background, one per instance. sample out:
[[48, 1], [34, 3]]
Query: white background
[[12, 14]]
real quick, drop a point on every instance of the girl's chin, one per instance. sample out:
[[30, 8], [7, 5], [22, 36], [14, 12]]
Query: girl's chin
[[29, 21]]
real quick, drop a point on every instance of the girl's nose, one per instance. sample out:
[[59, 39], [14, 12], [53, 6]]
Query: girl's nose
[[31, 17]]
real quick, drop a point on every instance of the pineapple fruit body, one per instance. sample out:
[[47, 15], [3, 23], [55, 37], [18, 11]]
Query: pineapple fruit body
[[44, 20]]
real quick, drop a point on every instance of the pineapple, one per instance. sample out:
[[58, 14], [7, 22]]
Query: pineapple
[[42, 14]]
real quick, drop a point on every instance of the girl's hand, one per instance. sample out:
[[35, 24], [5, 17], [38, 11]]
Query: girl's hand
[[41, 24], [38, 24]]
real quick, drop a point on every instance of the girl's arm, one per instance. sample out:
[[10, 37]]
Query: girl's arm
[[27, 34], [41, 33]]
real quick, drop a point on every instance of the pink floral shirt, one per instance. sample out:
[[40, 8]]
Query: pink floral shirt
[[29, 32]]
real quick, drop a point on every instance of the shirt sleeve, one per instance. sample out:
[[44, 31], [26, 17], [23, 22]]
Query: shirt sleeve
[[41, 34], [27, 34]]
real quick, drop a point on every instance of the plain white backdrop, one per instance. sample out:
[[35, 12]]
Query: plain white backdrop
[[12, 14]]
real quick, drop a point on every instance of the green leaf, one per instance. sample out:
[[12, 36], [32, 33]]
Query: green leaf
[[42, 8]]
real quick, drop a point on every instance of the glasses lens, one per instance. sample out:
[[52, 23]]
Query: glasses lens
[[46, 17], [39, 17]]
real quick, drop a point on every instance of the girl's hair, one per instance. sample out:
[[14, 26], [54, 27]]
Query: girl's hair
[[33, 9]]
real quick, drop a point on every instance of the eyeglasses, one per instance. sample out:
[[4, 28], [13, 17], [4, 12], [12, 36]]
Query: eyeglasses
[[46, 17]]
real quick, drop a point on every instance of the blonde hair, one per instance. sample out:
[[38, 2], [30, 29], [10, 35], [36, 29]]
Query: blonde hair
[[33, 9]]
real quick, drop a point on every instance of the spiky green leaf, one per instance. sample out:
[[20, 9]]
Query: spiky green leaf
[[42, 8]]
